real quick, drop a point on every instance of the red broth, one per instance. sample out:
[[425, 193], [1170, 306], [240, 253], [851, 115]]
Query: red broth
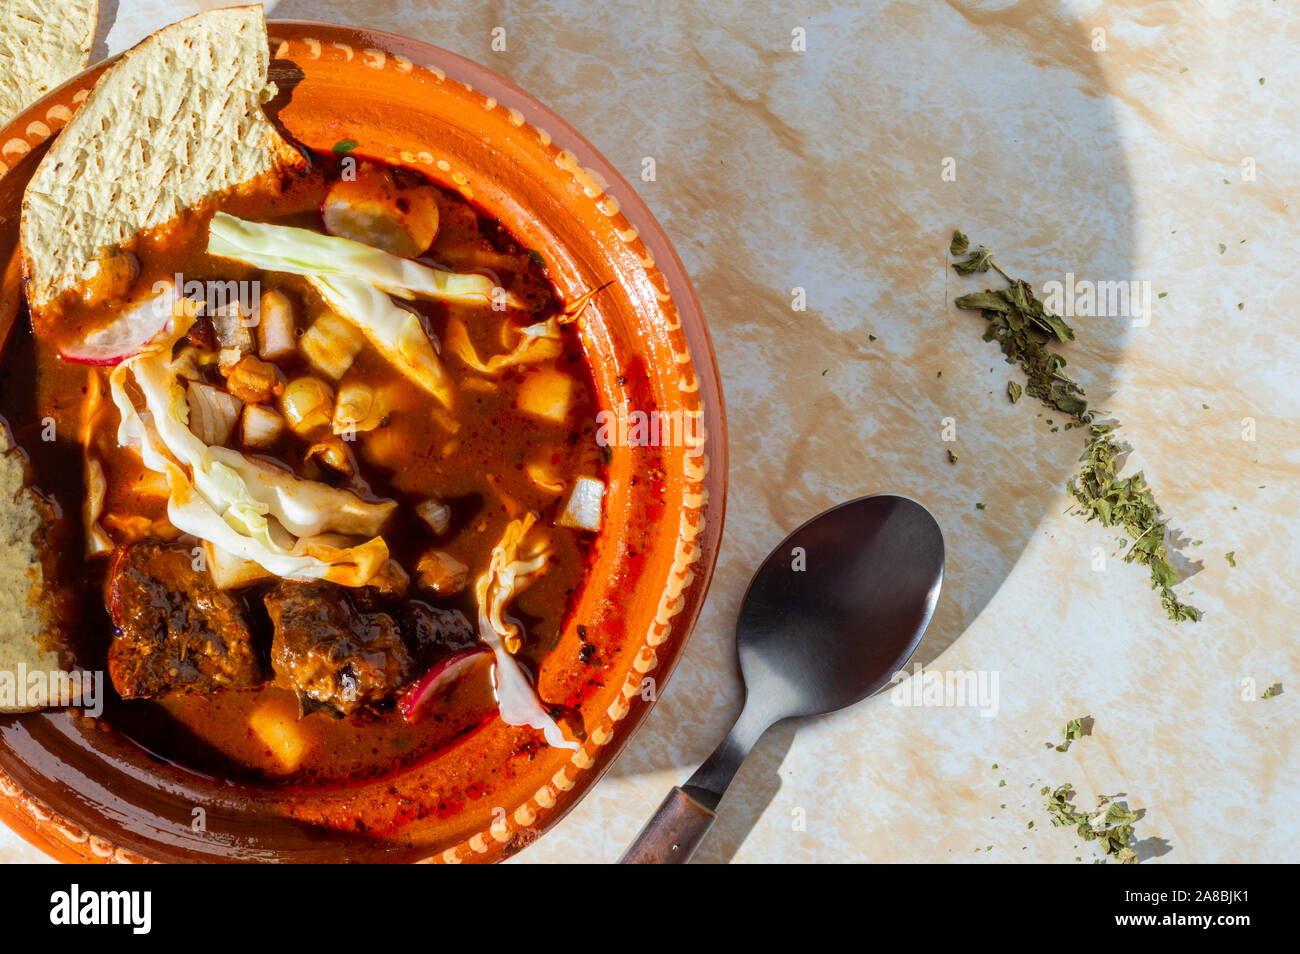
[[478, 465]]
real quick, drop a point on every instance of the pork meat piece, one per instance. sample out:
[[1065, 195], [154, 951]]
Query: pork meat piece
[[176, 631], [332, 654]]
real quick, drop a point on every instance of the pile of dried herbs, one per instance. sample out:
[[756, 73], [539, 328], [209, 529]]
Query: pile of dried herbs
[[1127, 503], [1111, 825], [1026, 332]]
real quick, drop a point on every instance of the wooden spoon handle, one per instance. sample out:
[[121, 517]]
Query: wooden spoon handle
[[672, 834]]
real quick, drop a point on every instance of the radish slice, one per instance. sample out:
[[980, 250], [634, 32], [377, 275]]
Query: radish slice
[[440, 677], [135, 327]]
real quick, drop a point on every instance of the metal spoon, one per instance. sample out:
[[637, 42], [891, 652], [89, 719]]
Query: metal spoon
[[829, 617]]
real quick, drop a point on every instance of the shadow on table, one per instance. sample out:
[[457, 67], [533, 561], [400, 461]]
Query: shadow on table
[[107, 17], [811, 193], [830, 181], [755, 786]]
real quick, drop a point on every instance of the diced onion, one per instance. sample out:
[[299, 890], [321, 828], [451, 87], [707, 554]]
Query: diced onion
[[331, 344], [213, 413], [582, 508], [276, 326], [262, 427], [436, 514]]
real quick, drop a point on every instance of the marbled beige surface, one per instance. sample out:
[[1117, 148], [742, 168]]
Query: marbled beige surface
[[823, 170]]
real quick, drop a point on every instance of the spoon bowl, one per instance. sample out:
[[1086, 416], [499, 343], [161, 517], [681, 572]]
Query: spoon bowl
[[839, 606], [832, 614]]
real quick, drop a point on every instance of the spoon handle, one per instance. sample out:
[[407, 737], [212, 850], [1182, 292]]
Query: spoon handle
[[672, 834]]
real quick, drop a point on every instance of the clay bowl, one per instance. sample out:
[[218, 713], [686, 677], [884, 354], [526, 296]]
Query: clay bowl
[[83, 794]]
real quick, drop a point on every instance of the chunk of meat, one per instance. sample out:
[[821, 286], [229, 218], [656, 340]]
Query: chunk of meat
[[176, 631], [384, 588], [434, 633], [202, 335], [230, 326], [254, 381], [331, 653]]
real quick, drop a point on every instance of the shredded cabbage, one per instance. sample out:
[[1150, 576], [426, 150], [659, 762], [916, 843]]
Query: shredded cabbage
[[507, 574], [537, 343], [230, 500], [395, 332], [189, 512], [283, 248], [306, 508]]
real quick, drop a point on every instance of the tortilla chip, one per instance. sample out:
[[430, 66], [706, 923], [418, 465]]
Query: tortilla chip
[[176, 122], [33, 649], [42, 44]]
